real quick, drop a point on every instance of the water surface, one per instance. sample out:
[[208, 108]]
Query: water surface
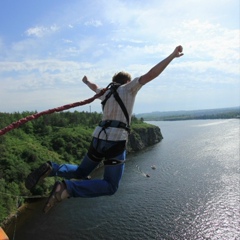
[[192, 194]]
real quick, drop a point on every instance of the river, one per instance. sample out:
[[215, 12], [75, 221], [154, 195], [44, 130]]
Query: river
[[193, 192]]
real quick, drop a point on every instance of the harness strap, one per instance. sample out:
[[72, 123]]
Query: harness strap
[[110, 153], [93, 154], [113, 91], [120, 102], [115, 124]]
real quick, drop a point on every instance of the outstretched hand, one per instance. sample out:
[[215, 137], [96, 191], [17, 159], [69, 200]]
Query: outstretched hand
[[91, 85], [85, 80], [178, 51]]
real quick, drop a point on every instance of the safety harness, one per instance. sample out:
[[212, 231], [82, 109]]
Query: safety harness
[[114, 123], [117, 149]]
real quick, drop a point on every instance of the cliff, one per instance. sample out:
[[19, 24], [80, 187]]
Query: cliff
[[143, 136]]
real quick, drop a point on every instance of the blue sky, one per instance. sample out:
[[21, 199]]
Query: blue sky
[[46, 47]]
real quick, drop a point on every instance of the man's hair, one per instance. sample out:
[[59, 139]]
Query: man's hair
[[121, 78]]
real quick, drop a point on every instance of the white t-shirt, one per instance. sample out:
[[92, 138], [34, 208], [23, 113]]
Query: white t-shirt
[[113, 111]]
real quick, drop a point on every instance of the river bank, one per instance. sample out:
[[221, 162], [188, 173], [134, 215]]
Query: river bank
[[23, 213]]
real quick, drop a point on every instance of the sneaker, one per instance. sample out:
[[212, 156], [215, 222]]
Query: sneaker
[[38, 175], [58, 194]]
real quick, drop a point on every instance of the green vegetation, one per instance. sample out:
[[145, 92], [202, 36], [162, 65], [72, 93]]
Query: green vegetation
[[59, 137]]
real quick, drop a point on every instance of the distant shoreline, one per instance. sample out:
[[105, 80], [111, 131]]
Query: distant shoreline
[[223, 113], [190, 118]]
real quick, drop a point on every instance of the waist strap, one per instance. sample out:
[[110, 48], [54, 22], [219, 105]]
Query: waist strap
[[115, 124]]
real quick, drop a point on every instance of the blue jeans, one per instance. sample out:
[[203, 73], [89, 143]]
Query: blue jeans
[[95, 187]]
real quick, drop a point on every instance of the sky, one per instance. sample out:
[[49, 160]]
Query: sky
[[46, 47]]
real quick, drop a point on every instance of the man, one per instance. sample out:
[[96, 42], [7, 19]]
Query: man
[[108, 142]]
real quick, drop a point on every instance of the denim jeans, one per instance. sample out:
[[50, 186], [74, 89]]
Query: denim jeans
[[94, 187]]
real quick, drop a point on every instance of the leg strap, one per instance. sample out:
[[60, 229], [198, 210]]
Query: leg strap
[[108, 154], [93, 154]]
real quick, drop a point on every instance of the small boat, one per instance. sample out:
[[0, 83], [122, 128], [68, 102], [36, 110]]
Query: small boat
[[153, 167]]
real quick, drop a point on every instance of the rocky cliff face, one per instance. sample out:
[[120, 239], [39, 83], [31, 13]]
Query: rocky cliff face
[[142, 137]]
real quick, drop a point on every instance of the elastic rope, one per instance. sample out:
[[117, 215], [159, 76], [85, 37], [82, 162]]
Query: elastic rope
[[58, 109]]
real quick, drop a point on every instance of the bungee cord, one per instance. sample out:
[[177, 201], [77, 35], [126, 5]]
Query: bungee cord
[[58, 109]]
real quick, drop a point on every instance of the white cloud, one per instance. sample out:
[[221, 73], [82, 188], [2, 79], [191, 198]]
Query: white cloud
[[67, 41], [40, 31], [94, 23]]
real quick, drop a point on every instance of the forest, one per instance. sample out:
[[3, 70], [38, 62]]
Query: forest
[[61, 137]]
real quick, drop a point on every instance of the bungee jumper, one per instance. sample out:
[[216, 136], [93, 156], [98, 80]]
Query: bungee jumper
[[108, 141]]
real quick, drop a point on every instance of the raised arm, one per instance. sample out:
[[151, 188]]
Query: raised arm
[[157, 69], [91, 85]]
